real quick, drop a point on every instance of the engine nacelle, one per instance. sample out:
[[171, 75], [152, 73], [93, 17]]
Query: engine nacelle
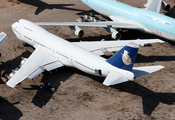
[[97, 19], [116, 35], [92, 17], [4, 76], [79, 33], [88, 15], [165, 6], [12, 74], [23, 61], [81, 19]]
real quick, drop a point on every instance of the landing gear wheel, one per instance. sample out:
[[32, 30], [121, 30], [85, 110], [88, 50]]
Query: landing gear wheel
[[4, 76], [47, 86]]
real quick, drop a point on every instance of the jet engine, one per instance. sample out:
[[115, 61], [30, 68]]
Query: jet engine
[[97, 19], [165, 6], [81, 19], [12, 74], [23, 61], [116, 35], [92, 17], [4, 76], [79, 33], [88, 15]]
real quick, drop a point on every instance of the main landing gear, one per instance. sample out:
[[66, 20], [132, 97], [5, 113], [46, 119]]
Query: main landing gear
[[47, 86]]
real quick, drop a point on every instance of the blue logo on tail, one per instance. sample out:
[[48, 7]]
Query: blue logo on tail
[[125, 58]]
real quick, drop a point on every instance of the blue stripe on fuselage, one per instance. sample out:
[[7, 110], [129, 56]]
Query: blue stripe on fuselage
[[148, 18]]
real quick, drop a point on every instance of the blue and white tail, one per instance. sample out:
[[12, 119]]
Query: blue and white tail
[[125, 58]]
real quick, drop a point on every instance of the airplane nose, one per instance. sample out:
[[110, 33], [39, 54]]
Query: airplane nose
[[14, 25]]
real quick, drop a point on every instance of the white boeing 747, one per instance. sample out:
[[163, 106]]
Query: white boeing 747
[[52, 52], [124, 16]]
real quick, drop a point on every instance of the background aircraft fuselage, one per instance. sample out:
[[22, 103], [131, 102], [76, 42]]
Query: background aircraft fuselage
[[152, 22]]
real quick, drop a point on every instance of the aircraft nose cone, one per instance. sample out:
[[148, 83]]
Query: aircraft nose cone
[[14, 25]]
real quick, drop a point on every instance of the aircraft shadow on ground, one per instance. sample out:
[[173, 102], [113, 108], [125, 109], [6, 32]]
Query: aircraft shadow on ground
[[43, 96], [8, 111], [171, 13], [147, 59], [41, 6], [150, 99], [13, 64]]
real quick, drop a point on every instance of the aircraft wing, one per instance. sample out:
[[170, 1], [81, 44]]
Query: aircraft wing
[[114, 24], [40, 60], [100, 47], [140, 71], [3, 37], [153, 5]]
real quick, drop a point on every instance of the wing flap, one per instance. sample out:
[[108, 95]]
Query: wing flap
[[100, 47], [141, 71], [39, 60], [53, 65], [114, 78], [36, 72]]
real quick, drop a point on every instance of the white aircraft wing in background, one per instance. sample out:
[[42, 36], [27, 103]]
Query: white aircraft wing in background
[[35, 65], [153, 5], [100, 47], [116, 24]]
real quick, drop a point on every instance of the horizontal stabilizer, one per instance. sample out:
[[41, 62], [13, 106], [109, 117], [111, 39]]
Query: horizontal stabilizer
[[141, 71], [114, 78], [3, 37]]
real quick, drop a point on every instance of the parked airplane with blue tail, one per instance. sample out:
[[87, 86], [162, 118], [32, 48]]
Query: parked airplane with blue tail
[[124, 16], [52, 52]]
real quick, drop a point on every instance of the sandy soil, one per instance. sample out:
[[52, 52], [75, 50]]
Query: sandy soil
[[80, 96]]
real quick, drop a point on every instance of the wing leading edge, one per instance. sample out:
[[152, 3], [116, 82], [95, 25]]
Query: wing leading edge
[[114, 24], [40, 60]]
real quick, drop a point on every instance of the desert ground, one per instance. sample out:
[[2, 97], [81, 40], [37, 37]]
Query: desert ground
[[80, 96]]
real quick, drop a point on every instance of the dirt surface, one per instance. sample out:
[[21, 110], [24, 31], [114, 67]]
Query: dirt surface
[[80, 96]]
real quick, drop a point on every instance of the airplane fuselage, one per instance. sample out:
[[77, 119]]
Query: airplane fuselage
[[151, 22], [69, 54]]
